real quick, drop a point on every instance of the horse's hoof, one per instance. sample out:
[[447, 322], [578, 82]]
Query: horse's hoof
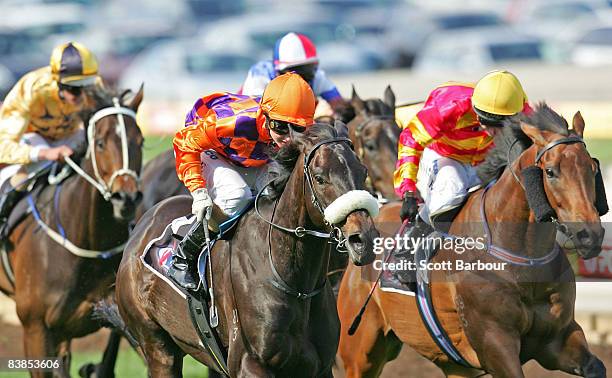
[[87, 371]]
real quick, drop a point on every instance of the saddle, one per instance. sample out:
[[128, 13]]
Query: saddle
[[157, 257]]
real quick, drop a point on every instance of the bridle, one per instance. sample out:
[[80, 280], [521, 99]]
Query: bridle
[[98, 182], [360, 150], [561, 227], [335, 234], [102, 186]]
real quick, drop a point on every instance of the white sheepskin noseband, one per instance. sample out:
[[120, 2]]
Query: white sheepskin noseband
[[338, 210]]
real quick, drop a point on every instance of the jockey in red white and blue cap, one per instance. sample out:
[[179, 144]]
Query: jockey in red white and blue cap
[[293, 53]]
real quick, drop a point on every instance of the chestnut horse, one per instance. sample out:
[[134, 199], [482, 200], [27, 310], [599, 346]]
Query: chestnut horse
[[60, 272], [496, 320], [277, 313]]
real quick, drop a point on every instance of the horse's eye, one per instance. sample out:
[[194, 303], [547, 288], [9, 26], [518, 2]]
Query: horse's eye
[[550, 173], [319, 179], [370, 145], [100, 143]]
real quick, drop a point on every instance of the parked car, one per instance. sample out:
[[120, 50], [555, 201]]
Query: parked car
[[594, 48], [409, 28], [184, 70], [477, 49]]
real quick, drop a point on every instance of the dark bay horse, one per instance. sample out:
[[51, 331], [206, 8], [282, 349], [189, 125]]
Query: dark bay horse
[[496, 320], [60, 272], [266, 331]]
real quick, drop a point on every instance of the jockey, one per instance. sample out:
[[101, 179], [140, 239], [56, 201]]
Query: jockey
[[221, 152], [294, 53], [39, 119], [441, 145]]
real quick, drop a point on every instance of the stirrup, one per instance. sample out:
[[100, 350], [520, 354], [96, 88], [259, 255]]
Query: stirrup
[[182, 277]]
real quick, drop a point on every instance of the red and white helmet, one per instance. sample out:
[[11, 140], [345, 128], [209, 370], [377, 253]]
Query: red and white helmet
[[294, 50]]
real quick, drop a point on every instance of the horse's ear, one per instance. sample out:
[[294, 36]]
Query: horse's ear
[[535, 134], [341, 129], [389, 97], [578, 123], [357, 102], [137, 99]]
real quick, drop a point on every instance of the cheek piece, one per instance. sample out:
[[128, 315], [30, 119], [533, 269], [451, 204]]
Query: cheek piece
[[533, 181], [601, 201]]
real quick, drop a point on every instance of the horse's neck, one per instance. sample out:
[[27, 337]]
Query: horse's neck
[[509, 217], [87, 217], [302, 263]]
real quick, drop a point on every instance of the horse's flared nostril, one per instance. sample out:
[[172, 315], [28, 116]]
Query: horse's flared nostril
[[356, 243]]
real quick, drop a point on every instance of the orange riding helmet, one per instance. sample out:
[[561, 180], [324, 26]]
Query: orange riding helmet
[[290, 99]]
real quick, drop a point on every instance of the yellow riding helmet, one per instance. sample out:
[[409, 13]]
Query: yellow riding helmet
[[74, 65], [290, 99], [499, 93]]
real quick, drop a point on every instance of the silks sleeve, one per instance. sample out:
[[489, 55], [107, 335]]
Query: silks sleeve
[[14, 120], [190, 142]]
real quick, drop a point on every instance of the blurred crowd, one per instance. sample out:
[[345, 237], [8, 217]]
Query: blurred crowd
[[184, 48]]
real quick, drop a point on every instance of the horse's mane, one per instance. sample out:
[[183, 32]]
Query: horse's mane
[[543, 117], [101, 97], [287, 156]]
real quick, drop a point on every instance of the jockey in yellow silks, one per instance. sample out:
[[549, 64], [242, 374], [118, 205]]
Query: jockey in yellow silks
[[39, 118], [441, 145]]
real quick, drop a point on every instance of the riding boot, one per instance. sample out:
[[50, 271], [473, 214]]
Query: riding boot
[[184, 259], [8, 200], [415, 238]]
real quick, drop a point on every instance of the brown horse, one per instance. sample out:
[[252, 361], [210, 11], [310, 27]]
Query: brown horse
[[496, 320], [60, 274], [375, 136], [267, 331]]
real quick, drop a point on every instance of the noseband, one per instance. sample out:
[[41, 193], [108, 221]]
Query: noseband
[[98, 182]]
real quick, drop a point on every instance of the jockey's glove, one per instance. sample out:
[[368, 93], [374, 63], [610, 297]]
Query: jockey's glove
[[202, 204], [410, 207]]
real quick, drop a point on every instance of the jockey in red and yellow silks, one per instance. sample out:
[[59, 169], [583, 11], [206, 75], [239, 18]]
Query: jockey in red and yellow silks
[[440, 145], [221, 152]]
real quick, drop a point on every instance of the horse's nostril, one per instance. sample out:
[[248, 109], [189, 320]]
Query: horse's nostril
[[583, 235], [356, 242], [138, 197]]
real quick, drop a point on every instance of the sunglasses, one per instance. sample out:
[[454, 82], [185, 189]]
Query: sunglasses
[[75, 91], [282, 128]]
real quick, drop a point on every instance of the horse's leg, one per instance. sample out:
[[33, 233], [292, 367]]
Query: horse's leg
[[106, 368], [252, 368], [39, 343], [365, 353], [163, 360], [570, 353], [498, 350]]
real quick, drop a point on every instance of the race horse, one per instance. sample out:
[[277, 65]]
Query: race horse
[[64, 255], [496, 320], [277, 313], [375, 136]]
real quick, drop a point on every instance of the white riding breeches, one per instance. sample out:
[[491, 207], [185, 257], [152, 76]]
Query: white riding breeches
[[74, 141], [443, 183], [231, 187]]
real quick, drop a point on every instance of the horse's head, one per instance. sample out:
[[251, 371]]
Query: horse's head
[[114, 151], [375, 135], [334, 183], [569, 177]]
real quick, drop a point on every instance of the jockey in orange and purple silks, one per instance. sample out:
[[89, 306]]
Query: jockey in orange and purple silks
[[221, 153]]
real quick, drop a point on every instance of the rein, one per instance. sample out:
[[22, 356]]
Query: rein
[[335, 235], [102, 186]]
